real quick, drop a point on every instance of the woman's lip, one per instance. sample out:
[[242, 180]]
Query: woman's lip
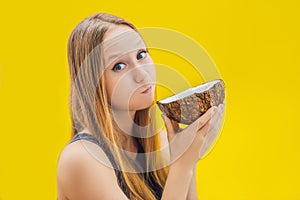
[[147, 90]]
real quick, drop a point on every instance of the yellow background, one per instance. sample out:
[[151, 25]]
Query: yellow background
[[255, 45]]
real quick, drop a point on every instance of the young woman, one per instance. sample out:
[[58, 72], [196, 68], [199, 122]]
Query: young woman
[[115, 149]]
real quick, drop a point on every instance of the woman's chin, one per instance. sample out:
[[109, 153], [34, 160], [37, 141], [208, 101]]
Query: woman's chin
[[145, 105]]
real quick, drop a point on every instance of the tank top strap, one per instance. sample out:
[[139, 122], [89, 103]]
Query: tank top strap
[[102, 145], [85, 136]]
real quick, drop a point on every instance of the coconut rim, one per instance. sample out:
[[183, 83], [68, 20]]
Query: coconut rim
[[191, 91]]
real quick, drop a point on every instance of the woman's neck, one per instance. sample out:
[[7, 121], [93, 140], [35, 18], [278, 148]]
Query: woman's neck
[[124, 120]]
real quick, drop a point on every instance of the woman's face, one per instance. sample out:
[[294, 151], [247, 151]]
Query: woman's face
[[130, 75]]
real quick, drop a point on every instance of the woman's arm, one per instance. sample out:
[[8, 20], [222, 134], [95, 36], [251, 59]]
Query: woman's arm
[[182, 181], [175, 174], [185, 148], [192, 193], [177, 183]]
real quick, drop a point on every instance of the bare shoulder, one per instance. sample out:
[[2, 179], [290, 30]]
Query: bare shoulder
[[83, 173]]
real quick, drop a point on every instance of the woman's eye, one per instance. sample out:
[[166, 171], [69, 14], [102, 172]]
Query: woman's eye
[[118, 66], [142, 54]]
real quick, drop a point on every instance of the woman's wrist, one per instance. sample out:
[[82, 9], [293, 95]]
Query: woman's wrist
[[192, 192], [181, 167], [178, 182]]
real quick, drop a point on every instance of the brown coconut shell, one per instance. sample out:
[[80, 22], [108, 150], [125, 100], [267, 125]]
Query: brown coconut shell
[[189, 108]]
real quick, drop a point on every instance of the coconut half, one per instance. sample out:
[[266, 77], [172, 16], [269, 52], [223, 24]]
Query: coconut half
[[187, 106]]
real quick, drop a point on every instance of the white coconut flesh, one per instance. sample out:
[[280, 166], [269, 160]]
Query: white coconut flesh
[[198, 89]]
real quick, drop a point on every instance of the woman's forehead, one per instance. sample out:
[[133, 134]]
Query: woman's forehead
[[119, 41], [115, 30]]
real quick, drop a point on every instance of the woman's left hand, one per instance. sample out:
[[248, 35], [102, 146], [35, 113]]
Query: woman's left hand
[[212, 131]]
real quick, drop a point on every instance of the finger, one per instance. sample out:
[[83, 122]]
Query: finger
[[202, 132], [216, 119], [201, 121], [205, 138], [221, 107], [212, 131], [205, 117], [224, 102], [215, 114], [169, 127], [175, 125]]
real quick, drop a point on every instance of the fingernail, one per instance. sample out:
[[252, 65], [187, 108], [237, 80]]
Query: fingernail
[[214, 109], [221, 106]]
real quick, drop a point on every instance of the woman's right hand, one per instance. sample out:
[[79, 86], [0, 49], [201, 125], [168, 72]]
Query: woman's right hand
[[188, 145]]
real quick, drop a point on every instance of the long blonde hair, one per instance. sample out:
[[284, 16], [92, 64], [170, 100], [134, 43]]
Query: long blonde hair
[[89, 107]]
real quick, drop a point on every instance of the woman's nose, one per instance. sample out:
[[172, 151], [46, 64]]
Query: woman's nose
[[140, 75]]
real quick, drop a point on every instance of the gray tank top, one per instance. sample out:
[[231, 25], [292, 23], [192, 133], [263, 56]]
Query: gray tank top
[[148, 176]]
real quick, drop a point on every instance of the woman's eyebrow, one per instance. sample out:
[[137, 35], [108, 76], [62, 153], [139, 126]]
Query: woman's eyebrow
[[112, 57]]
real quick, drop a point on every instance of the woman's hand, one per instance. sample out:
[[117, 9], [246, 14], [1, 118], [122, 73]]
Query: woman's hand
[[188, 145]]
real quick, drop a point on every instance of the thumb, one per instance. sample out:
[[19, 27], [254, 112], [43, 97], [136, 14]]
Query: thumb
[[169, 127]]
